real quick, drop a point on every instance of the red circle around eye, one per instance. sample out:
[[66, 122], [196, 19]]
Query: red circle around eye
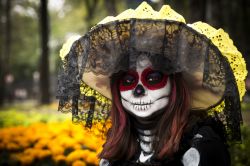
[[154, 86], [128, 81]]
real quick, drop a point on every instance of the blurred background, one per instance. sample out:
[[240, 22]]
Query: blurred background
[[32, 32]]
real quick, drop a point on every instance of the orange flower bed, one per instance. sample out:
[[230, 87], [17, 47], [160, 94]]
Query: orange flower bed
[[54, 143]]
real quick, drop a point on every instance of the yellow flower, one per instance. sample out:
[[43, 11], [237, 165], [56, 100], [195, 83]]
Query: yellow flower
[[31, 152], [59, 158], [22, 141], [42, 143], [56, 150], [43, 153], [2, 145], [79, 163], [66, 142], [92, 158], [12, 146], [77, 146], [77, 155], [26, 160]]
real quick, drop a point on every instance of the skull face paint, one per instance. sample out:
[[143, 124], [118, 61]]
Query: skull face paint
[[144, 91]]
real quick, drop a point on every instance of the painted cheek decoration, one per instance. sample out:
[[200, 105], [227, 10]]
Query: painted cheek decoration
[[153, 79], [129, 81]]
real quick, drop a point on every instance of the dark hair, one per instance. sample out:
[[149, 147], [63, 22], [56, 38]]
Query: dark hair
[[121, 141]]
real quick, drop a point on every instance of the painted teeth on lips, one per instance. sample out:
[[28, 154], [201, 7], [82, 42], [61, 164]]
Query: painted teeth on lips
[[142, 103], [141, 107]]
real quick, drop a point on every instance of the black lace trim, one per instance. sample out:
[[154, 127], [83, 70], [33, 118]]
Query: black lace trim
[[171, 46]]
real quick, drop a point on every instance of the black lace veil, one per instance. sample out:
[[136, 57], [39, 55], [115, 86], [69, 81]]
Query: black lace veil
[[171, 46]]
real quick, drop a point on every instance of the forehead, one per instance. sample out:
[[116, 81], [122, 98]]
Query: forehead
[[142, 63]]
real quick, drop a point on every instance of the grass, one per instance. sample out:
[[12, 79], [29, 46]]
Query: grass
[[27, 113]]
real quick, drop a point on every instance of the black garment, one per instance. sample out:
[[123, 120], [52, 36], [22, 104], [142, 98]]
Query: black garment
[[213, 151], [205, 137]]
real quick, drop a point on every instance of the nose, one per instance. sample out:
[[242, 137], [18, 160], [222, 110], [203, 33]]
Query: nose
[[139, 91]]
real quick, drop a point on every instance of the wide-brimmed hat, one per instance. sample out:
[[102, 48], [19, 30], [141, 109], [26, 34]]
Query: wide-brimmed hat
[[211, 65]]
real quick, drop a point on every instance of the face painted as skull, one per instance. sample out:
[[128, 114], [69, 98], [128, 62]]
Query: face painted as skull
[[144, 91]]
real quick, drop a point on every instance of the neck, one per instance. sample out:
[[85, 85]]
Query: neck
[[147, 123], [146, 129]]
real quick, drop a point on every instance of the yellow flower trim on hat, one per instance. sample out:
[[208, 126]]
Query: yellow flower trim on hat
[[84, 88], [66, 46], [88, 91], [145, 11], [223, 42], [218, 37]]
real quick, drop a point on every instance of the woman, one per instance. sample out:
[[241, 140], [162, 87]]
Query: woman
[[172, 90], [154, 124]]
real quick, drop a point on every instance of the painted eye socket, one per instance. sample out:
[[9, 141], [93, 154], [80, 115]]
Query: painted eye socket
[[154, 77], [128, 81]]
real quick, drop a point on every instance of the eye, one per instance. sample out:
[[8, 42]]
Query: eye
[[128, 80], [154, 77]]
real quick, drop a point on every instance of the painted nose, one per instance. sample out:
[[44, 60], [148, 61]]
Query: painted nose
[[139, 91]]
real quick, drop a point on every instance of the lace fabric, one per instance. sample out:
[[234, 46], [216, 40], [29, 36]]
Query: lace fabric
[[211, 65], [171, 46]]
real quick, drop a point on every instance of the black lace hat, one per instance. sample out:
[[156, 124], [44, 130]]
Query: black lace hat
[[211, 65]]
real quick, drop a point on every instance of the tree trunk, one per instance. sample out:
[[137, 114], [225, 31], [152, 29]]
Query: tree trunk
[[197, 10], [44, 62], [214, 13], [90, 8], [111, 7], [5, 46], [245, 24], [2, 84]]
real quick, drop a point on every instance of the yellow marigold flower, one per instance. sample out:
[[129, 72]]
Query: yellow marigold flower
[[42, 143], [59, 158], [2, 145], [92, 158], [22, 141], [79, 137], [77, 146], [77, 155], [99, 150], [31, 152], [26, 160], [12, 146], [93, 143], [67, 142], [43, 153], [56, 150], [79, 163]]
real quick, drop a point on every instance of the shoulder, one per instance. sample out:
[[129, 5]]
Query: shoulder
[[207, 148]]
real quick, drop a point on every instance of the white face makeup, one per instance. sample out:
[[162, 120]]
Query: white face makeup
[[144, 91]]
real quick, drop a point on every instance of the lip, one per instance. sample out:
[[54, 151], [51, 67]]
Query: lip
[[141, 105]]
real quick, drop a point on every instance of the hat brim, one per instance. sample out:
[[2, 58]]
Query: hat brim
[[171, 46]]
